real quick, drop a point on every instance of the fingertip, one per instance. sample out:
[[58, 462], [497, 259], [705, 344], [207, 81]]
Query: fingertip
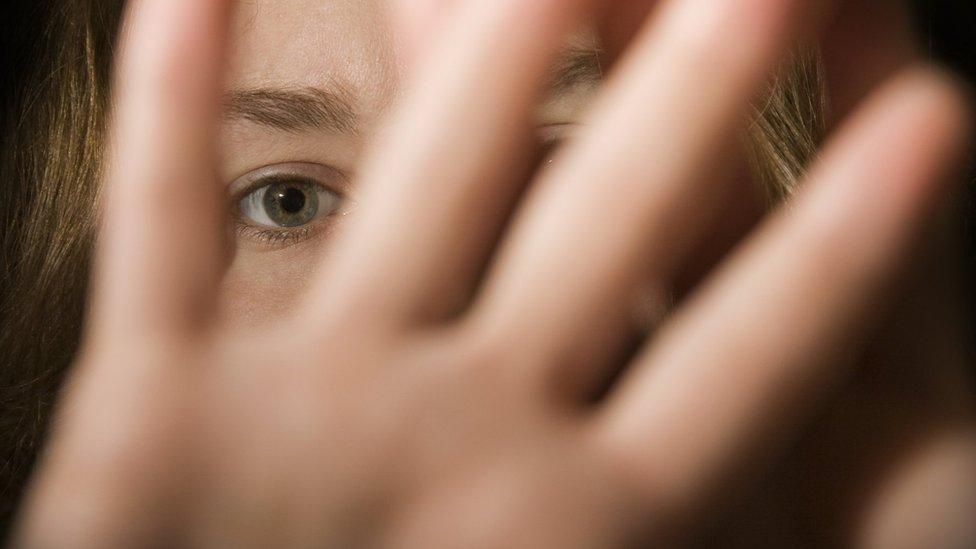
[[958, 99], [174, 38], [941, 99], [940, 119], [916, 128]]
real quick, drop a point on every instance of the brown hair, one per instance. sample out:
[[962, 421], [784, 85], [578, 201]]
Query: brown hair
[[52, 136], [49, 172]]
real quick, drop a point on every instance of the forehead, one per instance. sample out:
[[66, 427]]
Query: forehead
[[312, 43]]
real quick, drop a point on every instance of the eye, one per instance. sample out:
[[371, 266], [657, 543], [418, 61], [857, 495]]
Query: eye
[[289, 203]]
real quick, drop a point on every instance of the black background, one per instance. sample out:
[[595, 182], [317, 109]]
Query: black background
[[950, 27]]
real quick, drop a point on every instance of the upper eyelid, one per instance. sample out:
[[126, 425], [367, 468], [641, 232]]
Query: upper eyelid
[[328, 176], [240, 193]]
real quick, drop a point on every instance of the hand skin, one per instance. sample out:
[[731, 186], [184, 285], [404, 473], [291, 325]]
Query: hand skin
[[395, 425], [890, 461]]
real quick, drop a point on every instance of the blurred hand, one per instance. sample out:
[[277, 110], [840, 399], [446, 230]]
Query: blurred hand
[[382, 415]]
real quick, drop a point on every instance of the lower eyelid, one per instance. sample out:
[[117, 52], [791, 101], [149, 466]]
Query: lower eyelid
[[284, 237], [327, 176], [275, 237]]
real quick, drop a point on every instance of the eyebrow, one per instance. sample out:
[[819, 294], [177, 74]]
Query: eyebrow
[[332, 109], [575, 67], [295, 110]]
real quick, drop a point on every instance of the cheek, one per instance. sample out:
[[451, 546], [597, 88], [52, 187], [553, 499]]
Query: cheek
[[266, 286]]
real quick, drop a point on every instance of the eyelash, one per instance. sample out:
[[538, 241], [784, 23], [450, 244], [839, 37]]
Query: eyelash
[[275, 237]]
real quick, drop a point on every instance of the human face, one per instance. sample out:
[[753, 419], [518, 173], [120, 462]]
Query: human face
[[309, 84]]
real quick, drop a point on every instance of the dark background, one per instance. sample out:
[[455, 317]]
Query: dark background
[[950, 27]]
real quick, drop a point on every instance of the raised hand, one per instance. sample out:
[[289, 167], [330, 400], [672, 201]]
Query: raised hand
[[396, 411]]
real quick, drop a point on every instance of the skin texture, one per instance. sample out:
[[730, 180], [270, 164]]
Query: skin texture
[[472, 435]]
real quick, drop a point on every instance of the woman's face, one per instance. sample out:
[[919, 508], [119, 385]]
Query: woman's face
[[309, 83]]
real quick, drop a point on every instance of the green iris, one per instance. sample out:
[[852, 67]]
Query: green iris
[[291, 204]]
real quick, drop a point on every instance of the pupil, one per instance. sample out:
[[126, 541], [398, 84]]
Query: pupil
[[292, 200], [291, 204]]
